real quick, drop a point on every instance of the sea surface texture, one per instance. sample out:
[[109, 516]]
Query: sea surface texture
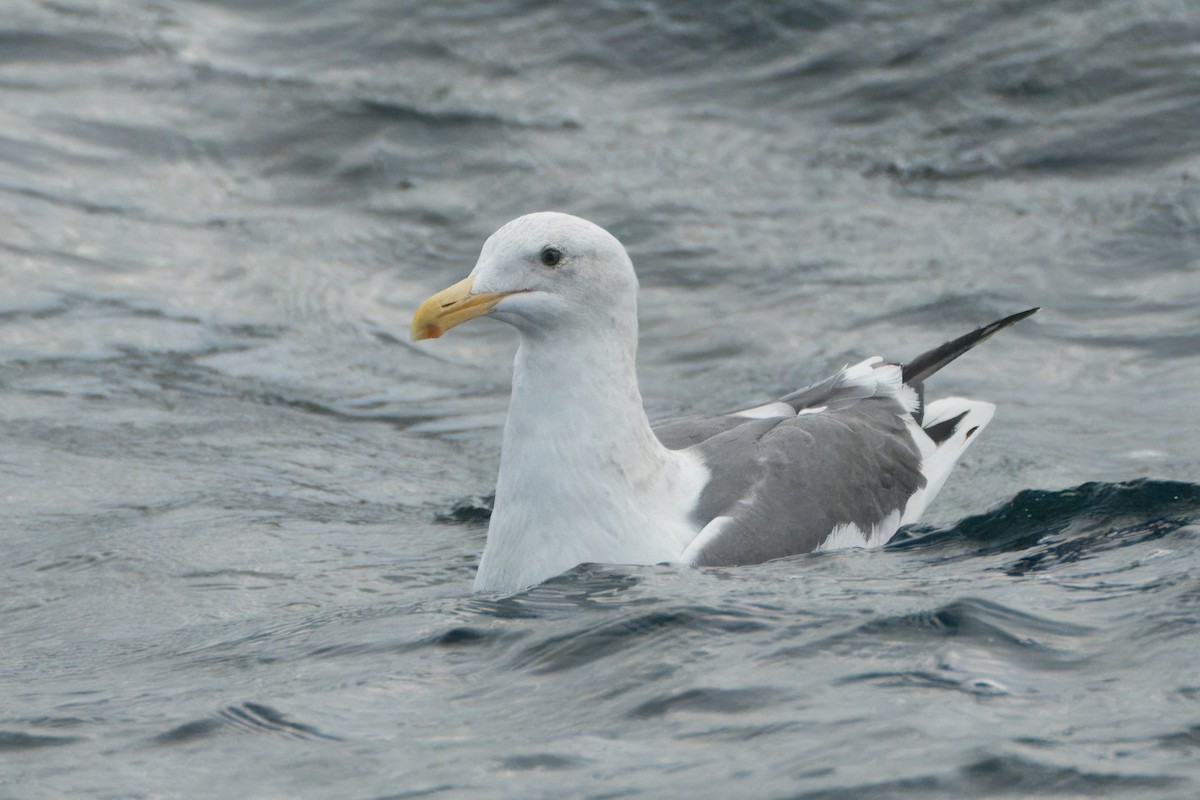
[[240, 513]]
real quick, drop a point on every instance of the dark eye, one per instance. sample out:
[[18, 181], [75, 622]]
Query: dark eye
[[551, 257]]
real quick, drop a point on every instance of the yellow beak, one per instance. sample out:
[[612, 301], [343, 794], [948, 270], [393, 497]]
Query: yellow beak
[[452, 306]]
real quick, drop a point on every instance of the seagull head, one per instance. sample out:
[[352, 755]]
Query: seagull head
[[547, 274]]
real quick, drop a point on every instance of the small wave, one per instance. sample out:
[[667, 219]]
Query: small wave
[[586, 587], [709, 701], [1006, 775], [1060, 527], [393, 112], [542, 761], [11, 741], [244, 718], [1039, 642], [28, 46], [921, 679], [1187, 739], [629, 633], [457, 637]]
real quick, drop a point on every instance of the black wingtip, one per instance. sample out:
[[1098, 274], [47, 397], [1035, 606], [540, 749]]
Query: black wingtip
[[930, 362], [1020, 315]]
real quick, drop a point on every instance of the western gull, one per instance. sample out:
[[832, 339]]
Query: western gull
[[584, 476]]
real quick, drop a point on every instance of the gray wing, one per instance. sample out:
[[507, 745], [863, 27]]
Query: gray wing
[[785, 475]]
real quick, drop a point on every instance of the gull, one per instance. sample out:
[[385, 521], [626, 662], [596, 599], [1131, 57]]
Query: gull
[[586, 478]]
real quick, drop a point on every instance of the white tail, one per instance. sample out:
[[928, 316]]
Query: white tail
[[939, 458]]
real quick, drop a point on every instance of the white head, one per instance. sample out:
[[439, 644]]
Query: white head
[[546, 274]]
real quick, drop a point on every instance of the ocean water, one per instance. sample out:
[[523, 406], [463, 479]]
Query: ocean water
[[241, 513]]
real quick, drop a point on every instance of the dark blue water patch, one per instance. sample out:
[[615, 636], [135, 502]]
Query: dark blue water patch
[[1062, 527], [393, 112], [1091, 542], [541, 761], [464, 636]]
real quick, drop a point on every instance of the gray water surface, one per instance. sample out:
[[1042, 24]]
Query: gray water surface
[[241, 513]]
